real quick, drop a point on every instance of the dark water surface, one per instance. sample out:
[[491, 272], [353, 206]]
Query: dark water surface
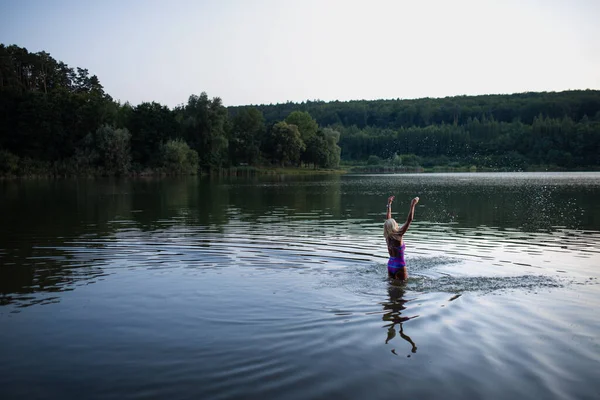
[[275, 288]]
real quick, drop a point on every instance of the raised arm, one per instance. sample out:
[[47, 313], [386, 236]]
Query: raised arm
[[389, 207], [411, 214]]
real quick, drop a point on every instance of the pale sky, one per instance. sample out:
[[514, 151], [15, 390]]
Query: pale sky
[[273, 51]]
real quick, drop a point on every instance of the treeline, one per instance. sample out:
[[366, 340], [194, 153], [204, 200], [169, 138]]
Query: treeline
[[514, 132], [56, 120], [555, 142], [458, 110]]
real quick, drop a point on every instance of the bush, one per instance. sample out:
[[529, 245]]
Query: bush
[[396, 160], [373, 160], [178, 158], [9, 163], [31, 167], [113, 147], [411, 160], [107, 151]]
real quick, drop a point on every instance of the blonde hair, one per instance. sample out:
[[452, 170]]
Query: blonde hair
[[390, 228]]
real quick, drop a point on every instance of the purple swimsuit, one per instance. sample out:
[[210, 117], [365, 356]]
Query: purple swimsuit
[[395, 264]]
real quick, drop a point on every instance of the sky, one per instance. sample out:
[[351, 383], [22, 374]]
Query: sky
[[274, 51]]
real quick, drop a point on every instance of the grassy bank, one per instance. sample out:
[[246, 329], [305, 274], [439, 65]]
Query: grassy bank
[[51, 170], [243, 171]]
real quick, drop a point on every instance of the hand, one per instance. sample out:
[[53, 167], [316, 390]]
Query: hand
[[390, 199], [414, 202]]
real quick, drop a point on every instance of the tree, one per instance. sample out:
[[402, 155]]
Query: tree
[[307, 126], [49, 111], [373, 160], [150, 124], [9, 163], [322, 149], [246, 135], [205, 126], [286, 144], [316, 150], [332, 137], [179, 158], [108, 149]]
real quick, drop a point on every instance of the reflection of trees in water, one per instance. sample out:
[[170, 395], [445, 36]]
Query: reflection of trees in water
[[45, 238], [51, 225], [393, 314], [296, 195], [164, 202], [523, 205], [45, 218], [27, 285], [212, 202]]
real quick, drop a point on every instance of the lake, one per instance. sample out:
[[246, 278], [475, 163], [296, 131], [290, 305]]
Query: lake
[[275, 287]]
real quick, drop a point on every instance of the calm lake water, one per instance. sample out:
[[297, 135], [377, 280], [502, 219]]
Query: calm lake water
[[276, 288]]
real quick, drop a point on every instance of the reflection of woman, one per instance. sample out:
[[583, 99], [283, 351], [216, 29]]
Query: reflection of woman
[[393, 236], [393, 315]]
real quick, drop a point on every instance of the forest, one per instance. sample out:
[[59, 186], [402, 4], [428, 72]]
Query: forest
[[56, 120]]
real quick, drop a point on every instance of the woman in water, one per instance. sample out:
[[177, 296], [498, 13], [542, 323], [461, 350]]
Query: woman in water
[[393, 236]]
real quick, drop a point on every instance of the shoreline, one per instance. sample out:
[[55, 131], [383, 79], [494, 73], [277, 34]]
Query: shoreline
[[262, 171]]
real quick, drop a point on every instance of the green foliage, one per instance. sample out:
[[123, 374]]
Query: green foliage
[[31, 167], [440, 161], [179, 158], [308, 129], [286, 144], [108, 149], [373, 160], [47, 107], [57, 120], [410, 160], [9, 163], [150, 124], [333, 151], [307, 126], [395, 114], [246, 136], [316, 150], [205, 127]]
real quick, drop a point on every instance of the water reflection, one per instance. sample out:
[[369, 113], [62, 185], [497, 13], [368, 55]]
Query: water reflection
[[528, 202], [393, 314], [62, 234], [40, 282]]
